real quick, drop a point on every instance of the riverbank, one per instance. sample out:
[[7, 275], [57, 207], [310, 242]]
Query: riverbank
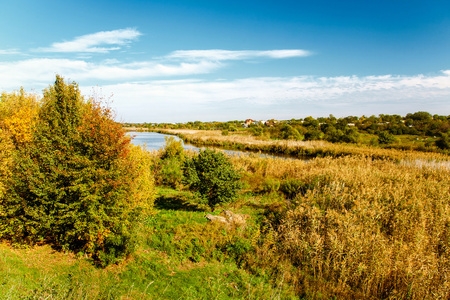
[[138, 129]]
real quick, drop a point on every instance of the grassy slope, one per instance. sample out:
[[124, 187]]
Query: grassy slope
[[171, 263]]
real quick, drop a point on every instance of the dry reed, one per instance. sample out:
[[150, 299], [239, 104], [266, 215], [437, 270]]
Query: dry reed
[[361, 228]]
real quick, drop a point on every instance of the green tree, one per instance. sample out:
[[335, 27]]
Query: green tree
[[288, 132], [420, 116], [257, 131], [313, 134], [72, 185], [333, 135], [351, 135], [212, 175]]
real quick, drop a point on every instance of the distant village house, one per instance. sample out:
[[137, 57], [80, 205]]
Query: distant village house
[[247, 123]]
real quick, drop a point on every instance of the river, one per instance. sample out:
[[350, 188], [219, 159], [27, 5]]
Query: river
[[155, 141]]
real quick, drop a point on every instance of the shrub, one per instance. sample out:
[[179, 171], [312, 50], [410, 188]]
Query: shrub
[[173, 149], [171, 173], [257, 131], [351, 135], [170, 167], [290, 133], [334, 135], [313, 134], [212, 175], [443, 142], [292, 187], [270, 185], [385, 138]]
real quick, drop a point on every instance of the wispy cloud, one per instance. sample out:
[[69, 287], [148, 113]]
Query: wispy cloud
[[9, 51], [35, 72], [220, 55], [96, 42]]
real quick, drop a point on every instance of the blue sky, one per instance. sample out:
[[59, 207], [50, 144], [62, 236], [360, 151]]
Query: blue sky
[[178, 61]]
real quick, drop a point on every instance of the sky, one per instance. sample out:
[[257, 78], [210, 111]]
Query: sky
[[188, 60]]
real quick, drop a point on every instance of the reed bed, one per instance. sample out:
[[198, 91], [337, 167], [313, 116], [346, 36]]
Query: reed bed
[[354, 227]]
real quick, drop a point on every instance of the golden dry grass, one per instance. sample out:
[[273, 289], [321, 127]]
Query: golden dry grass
[[211, 135], [361, 228]]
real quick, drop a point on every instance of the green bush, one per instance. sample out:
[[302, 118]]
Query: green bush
[[334, 135], [313, 134], [257, 131], [173, 149], [270, 185], [170, 166], [292, 187], [288, 132], [443, 142], [212, 175], [171, 173], [385, 138]]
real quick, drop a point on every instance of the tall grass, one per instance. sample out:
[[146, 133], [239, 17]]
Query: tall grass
[[354, 227]]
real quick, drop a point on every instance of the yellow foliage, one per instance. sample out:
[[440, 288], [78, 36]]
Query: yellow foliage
[[18, 112], [6, 149], [143, 188]]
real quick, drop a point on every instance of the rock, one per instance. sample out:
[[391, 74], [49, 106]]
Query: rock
[[213, 218], [229, 218]]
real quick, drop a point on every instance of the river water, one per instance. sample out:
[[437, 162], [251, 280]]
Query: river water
[[155, 141]]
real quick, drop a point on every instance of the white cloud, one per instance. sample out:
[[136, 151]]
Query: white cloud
[[9, 51], [40, 72], [219, 55], [279, 97], [94, 43]]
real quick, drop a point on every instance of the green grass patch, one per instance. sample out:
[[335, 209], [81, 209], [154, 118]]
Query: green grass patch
[[181, 255]]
